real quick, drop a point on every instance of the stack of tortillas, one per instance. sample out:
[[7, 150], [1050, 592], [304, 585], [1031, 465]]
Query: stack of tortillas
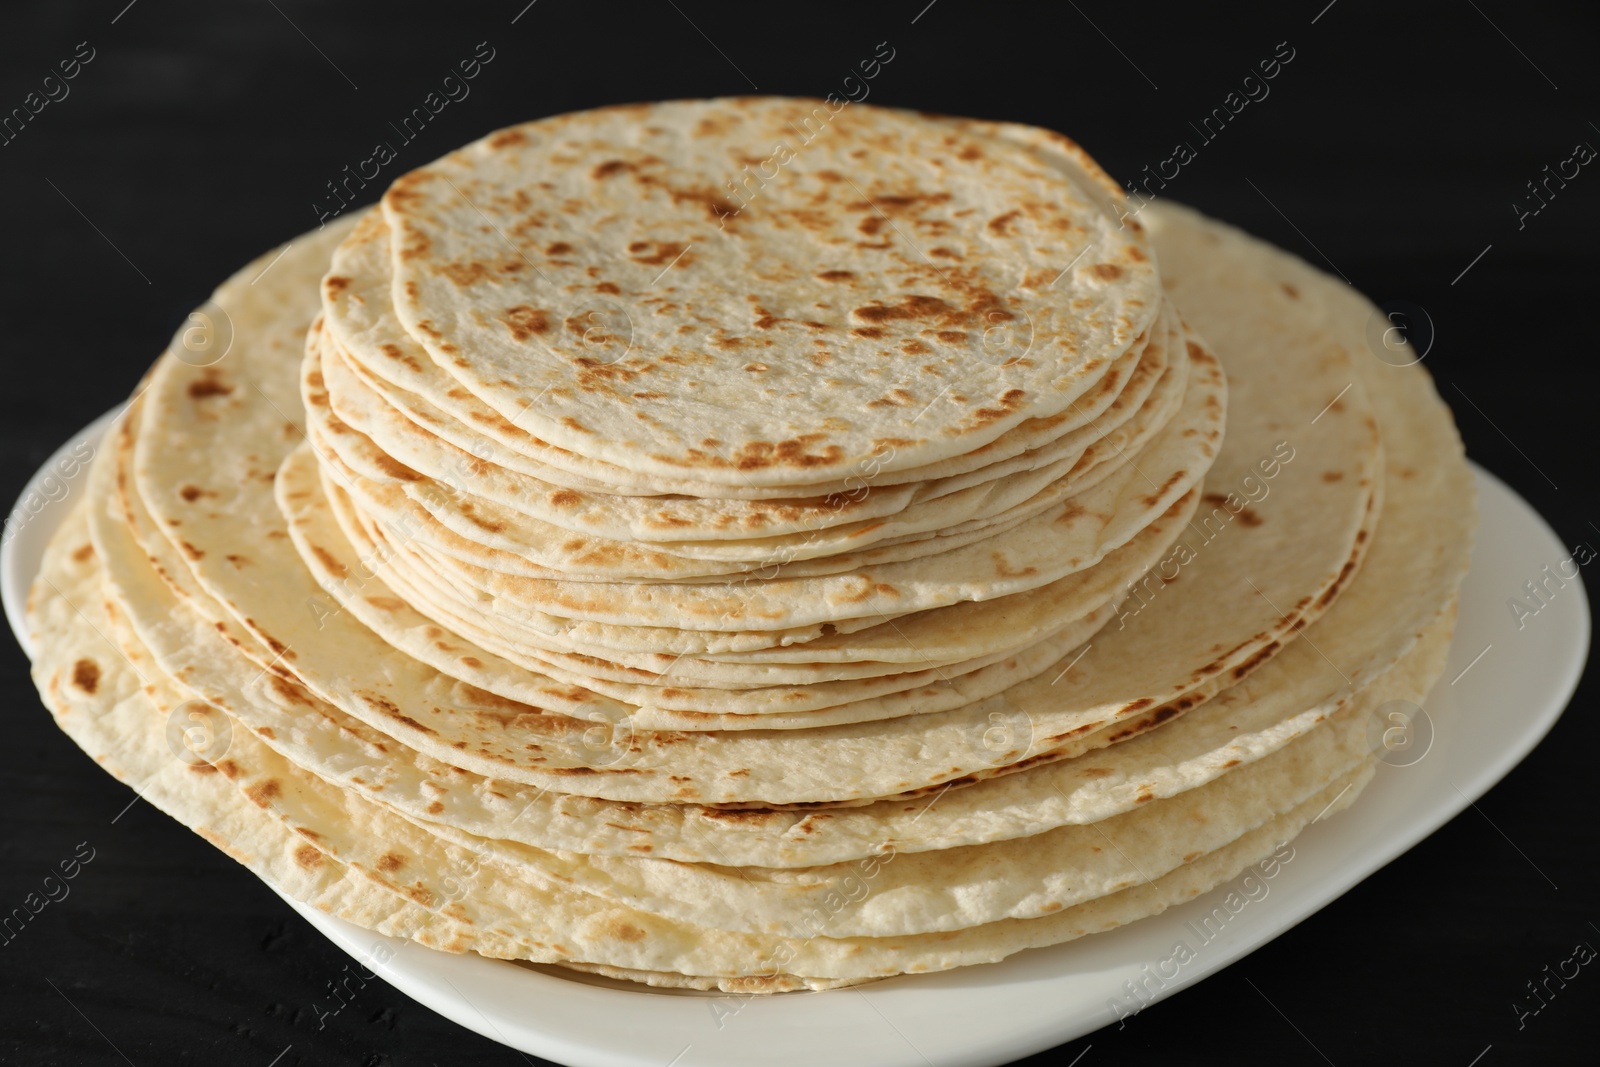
[[762, 545]]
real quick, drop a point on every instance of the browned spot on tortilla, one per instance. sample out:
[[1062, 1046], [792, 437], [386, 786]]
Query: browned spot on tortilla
[[744, 815], [911, 306], [289, 691], [1332, 476], [836, 275], [209, 386], [390, 862], [83, 554], [86, 675], [1173, 479], [395, 469], [1261, 656], [1108, 272], [1338, 583], [334, 566], [1249, 517], [1294, 294], [191, 493], [1001, 224], [307, 857], [524, 321], [660, 252], [263, 793], [388, 708]]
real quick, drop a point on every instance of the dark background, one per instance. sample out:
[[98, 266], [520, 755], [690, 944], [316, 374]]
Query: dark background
[[1397, 141]]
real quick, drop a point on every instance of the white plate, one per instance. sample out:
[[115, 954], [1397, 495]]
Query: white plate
[[1503, 690]]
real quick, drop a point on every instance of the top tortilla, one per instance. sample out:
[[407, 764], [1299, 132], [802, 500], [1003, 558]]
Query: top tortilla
[[900, 292]]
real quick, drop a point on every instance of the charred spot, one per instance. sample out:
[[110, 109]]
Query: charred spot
[[524, 321], [209, 386], [1260, 657], [1338, 583], [388, 708], [912, 306], [1001, 224], [86, 675]]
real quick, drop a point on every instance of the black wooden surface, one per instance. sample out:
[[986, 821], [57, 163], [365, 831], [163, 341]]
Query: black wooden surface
[[1393, 145]]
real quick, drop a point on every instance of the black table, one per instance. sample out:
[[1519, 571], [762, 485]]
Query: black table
[[1395, 145]]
